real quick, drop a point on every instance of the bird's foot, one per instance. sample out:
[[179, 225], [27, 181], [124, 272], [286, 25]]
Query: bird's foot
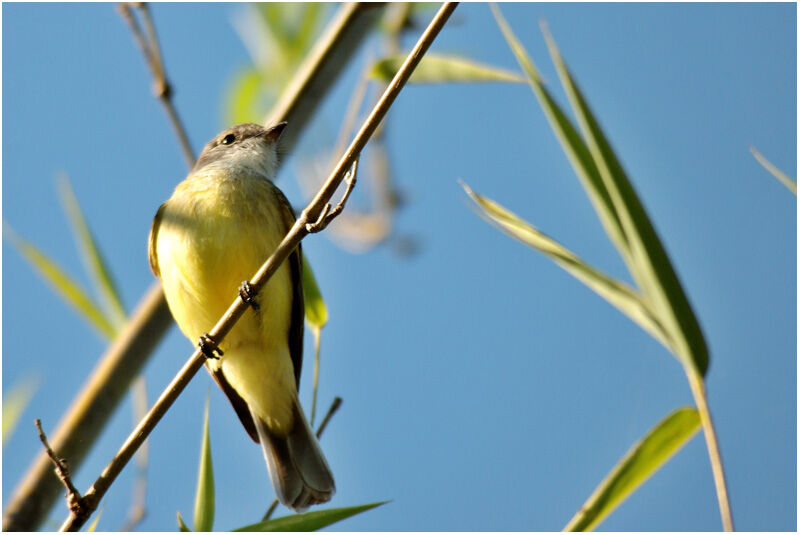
[[209, 347], [248, 295]]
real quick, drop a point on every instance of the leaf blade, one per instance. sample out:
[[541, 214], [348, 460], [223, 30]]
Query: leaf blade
[[571, 142], [617, 293], [442, 68], [315, 309], [69, 290], [650, 265], [312, 521], [636, 466], [15, 401], [93, 258], [204, 498]]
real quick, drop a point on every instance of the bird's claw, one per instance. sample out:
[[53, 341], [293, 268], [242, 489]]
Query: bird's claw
[[209, 347], [248, 295]]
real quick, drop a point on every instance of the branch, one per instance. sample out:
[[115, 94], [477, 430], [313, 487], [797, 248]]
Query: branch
[[161, 86], [285, 248], [109, 382], [61, 470]]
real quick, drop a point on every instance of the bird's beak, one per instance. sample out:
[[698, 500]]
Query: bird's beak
[[274, 133]]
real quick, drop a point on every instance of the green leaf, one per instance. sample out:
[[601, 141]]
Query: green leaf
[[641, 461], [437, 69], [650, 266], [244, 98], [619, 294], [63, 284], [309, 521], [181, 525], [572, 143], [92, 257], [316, 311], [204, 499], [317, 317], [14, 403], [777, 173]]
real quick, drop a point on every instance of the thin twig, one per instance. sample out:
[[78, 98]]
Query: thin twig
[[95, 402], [284, 249], [74, 499], [329, 214], [337, 402], [699, 393], [161, 86]]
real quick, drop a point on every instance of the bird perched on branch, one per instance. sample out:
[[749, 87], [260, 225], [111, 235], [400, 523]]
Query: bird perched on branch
[[216, 230]]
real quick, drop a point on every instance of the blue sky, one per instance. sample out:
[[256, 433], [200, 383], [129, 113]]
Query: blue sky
[[484, 388]]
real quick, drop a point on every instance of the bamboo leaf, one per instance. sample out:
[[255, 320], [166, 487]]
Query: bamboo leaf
[[573, 145], [312, 521], [777, 173], [92, 257], [15, 401], [63, 284], [204, 499], [244, 95], [617, 293], [437, 69], [316, 311], [641, 461], [650, 265], [317, 317], [181, 524]]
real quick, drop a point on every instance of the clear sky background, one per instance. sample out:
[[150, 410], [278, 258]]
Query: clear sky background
[[484, 388]]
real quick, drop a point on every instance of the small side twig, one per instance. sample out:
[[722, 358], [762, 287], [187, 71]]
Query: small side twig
[[327, 215], [152, 54], [74, 498], [337, 402]]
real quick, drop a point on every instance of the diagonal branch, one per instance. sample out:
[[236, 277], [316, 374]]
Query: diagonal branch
[[298, 231], [94, 404], [152, 54]]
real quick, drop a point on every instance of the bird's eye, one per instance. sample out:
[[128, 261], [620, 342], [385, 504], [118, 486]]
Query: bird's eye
[[227, 140]]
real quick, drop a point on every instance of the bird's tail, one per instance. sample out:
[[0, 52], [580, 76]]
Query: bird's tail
[[297, 466]]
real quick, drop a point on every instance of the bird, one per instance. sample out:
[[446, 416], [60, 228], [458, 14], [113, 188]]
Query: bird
[[220, 224]]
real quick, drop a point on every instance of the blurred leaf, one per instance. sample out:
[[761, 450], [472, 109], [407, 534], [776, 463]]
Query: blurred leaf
[[181, 525], [437, 68], [572, 143], [619, 294], [244, 97], [65, 286], [777, 173], [93, 526], [651, 266], [92, 257], [316, 312], [317, 317], [309, 521], [204, 500], [641, 461], [14, 403]]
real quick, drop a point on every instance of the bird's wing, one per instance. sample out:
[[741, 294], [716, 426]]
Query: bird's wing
[[298, 304], [239, 405], [152, 248]]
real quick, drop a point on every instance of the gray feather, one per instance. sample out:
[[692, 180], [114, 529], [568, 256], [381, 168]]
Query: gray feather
[[296, 464]]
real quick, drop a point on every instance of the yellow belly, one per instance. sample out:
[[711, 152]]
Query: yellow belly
[[214, 234]]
